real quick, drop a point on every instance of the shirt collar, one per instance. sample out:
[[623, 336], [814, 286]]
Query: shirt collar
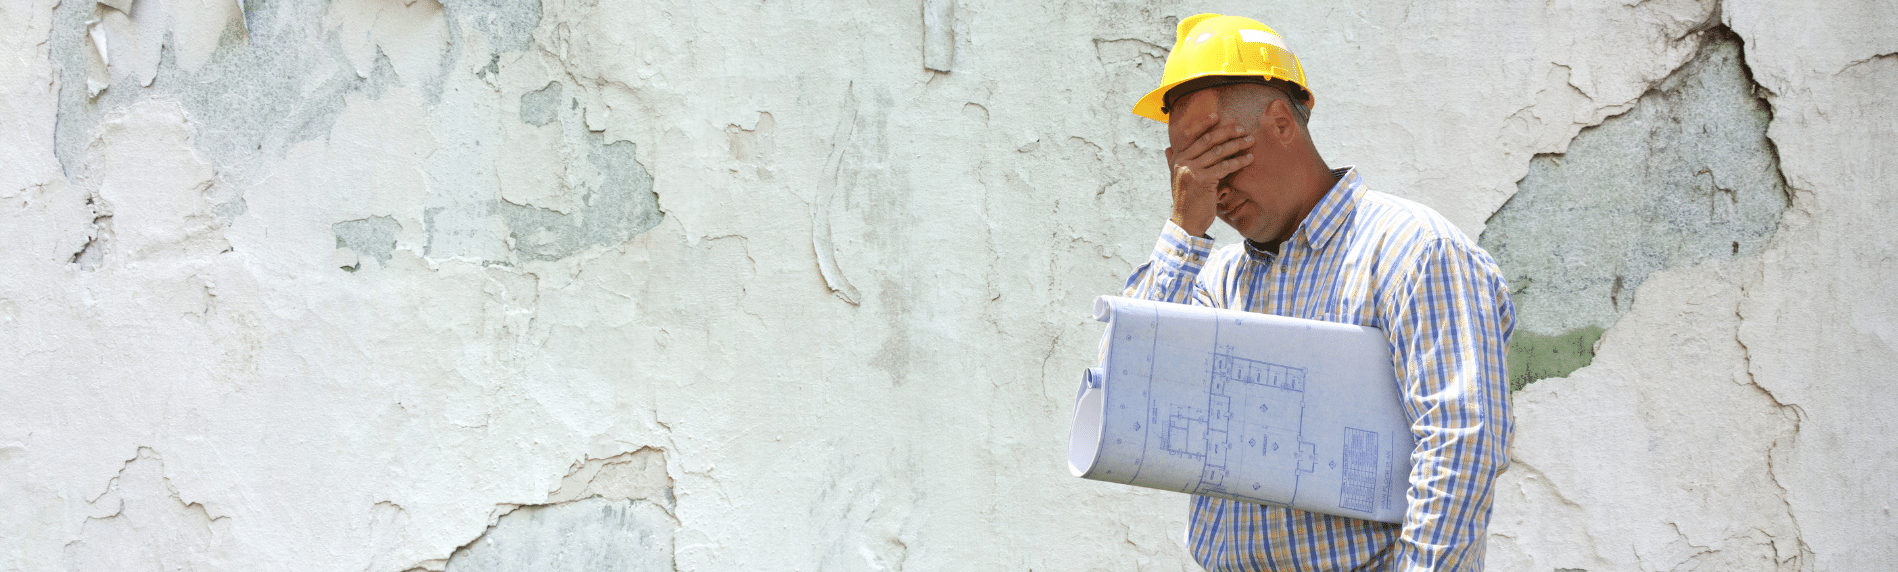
[[1332, 212], [1326, 218]]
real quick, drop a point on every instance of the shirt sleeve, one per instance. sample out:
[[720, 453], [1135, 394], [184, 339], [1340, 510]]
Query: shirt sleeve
[[1451, 321], [1171, 273]]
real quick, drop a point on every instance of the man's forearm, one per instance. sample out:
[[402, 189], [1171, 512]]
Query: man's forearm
[[1452, 489], [1449, 344], [1172, 271]]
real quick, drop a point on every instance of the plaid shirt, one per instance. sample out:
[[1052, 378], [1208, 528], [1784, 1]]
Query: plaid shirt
[[1364, 257]]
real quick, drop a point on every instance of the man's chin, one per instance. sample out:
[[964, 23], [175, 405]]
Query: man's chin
[[1239, 226], [1255, 235]]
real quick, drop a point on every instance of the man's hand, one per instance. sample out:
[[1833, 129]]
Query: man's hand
[[1218, 149]]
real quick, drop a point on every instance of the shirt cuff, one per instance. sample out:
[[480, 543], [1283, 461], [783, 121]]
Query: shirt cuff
[[1180, 251]]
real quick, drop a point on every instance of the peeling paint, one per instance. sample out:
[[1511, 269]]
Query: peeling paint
[[939, 36], [1534, 356], [139, 522], [846, 340], [508, 24], [600, 195], [614, 513], [823, 243], [257, 93], [92, 254], [1686, 175], [637, 475], [620, 207], [588, 534], [540, 107], [372, 237]]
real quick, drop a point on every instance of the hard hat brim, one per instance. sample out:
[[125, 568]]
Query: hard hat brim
[[1153, 105]]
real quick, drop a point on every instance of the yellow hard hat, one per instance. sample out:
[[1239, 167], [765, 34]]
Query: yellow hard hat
[[1216, 45]]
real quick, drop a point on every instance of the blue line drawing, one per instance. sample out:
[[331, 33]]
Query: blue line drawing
[[1246, 407], [1359, 491], [1211, 436]]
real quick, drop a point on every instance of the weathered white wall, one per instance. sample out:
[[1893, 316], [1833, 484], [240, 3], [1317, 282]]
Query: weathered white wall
[[798, 286]]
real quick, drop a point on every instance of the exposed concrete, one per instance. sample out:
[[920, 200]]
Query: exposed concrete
[[1534, 356], [583, 535], [372, 237], [259, 91], [606, 253], [1685, 176], [508, 25], [541, 106], [608, 514], [600, 196]]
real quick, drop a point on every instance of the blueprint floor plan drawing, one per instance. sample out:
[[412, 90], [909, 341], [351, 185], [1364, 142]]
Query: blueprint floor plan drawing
[[1263, 446], [1244, 406]]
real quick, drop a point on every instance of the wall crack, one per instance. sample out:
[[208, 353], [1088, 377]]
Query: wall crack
[[1685, 175]]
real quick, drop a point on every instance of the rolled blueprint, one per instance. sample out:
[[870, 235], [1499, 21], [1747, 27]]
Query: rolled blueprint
[[1249, 407]]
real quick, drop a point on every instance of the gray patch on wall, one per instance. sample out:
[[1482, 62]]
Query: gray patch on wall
[[621, 207], [542, 106], [634, 535], [606, 515], [253, 98], [372, 237], [508, 24], [617, 201], [1687, 175], [278, 78]]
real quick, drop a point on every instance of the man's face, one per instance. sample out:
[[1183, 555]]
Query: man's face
[[1250, 200]]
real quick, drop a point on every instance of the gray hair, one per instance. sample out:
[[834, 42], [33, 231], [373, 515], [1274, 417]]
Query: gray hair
[[1252, 102]]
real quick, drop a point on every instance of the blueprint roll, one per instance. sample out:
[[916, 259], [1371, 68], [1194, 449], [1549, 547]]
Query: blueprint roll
[[1084, 442], [1249, 407]]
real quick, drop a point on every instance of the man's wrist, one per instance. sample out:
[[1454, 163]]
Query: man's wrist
[[1198, 230], [1182, 250]]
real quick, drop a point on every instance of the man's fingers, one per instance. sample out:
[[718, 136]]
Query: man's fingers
[[1218, 162], [1227, 167], [1195, 130], [1198, 126], [1189, 180], [1210, 143], [1208, 139], [1228, 149], [1206, 179]]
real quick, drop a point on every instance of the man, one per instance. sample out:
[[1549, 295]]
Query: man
[[1320, 245]]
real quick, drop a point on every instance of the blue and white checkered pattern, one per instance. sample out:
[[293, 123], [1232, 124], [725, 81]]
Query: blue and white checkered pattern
[[1368, 258]]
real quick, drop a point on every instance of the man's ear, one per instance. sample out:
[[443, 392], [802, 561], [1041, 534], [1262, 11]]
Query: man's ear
[[1169, 156], [1278, 121]]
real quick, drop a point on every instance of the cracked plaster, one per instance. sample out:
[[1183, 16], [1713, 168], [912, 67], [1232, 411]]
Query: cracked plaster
[[608, 514], [1686, 175], [898, 396], [138, 521]]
